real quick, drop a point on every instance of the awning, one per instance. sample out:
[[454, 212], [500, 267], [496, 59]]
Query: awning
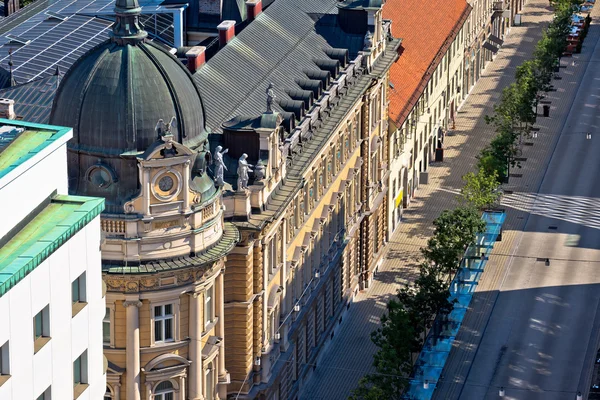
[[490, 47], [496, 40]]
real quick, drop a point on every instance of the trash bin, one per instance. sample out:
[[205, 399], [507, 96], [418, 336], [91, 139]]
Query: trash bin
[[439, 154], [546, 110]]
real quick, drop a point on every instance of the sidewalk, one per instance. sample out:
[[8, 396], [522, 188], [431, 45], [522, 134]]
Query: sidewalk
[[349, 356]]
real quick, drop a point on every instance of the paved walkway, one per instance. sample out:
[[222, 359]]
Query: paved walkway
[[349, 356]]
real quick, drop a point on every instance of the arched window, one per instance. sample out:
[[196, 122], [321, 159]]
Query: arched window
[[164, 391], [108, 395]]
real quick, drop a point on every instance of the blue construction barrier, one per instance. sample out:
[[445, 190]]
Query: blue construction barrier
[[438, 344]]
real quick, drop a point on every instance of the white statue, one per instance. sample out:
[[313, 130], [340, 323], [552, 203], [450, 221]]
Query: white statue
[[163, 129], [220, 167], [368, 43], [243, 169], [270, 97]]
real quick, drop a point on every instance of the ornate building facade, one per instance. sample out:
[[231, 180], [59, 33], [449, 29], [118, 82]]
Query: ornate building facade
[[164, 238], [312, 215]]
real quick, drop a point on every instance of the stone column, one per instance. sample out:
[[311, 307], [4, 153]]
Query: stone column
[[117, 390], [266, 260], [147, 191], [132, 306], [148, 390], [182, 387], [220, 304], [196, 377], [186, 190]]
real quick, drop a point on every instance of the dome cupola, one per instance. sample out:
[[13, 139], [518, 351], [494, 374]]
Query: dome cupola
[[113, 97]]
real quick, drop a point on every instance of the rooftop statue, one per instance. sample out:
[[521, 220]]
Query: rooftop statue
[[243, 169], [163, 129], [220, 167], [270, 97]]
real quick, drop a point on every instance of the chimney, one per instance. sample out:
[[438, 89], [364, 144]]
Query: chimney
[[10, 6], [226, 32], [195, 58], [253, 8], [7, 109]]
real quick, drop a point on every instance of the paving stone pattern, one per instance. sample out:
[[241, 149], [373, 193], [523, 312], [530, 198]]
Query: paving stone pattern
[[348, 356]]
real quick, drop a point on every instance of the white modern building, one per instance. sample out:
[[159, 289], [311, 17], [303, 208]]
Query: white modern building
[[51, 291]]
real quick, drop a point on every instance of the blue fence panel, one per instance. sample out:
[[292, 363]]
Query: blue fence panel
[[436, 350]]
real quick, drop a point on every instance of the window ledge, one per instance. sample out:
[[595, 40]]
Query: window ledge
[[208, 327], [3, 379], [40, 342], [79, 389], [77, 307]]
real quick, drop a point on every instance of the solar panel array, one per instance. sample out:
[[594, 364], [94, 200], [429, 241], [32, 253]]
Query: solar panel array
[[58, 43], [60, 46]]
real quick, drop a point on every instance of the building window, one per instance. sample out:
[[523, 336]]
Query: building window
[[209, 305], [41, 329], [80, 374], [80, 369], [272, 256], [163, 323], [4, 363], [164, 391], [78, 289], [46, 395], [106, 327], [78, 294], [210, 383]]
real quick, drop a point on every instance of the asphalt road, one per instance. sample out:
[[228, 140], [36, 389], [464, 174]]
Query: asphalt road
[[542, 334]]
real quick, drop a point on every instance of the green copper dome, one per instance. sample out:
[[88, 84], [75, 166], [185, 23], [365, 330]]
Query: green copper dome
[[113, 97]]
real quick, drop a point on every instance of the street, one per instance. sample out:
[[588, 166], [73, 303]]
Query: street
[[531, 328]]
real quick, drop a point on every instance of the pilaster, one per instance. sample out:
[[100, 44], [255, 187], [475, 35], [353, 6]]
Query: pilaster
[[132, 305]]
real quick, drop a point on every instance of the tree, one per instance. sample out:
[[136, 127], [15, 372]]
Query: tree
[[501, 153], [425, 299], [393, 359], [454, 231], [481, 189]]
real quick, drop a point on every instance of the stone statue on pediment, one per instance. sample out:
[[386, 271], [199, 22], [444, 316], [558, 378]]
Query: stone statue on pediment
[[243, 170], [220, 166], [270, 97]]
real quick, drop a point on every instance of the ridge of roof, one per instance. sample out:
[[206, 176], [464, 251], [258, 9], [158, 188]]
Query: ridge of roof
[[423, 48]]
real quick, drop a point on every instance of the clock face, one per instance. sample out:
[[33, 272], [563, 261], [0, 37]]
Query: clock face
[[165, 183]]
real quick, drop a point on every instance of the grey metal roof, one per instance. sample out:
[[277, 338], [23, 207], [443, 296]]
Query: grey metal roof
[[33, 100], [278, 46], [283, 195]]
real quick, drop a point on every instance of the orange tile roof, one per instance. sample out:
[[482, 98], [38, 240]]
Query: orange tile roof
[[424, 26]]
